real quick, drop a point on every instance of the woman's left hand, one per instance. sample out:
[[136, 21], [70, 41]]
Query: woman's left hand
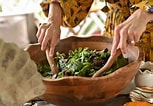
[[130, 31]]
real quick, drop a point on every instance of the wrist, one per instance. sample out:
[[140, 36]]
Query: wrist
[[54, 1], [147, 17], [147, 7]]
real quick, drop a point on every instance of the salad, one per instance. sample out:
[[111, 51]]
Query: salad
[[81, 62]]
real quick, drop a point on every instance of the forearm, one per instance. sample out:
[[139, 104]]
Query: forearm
[[55, 13], [73, 11]]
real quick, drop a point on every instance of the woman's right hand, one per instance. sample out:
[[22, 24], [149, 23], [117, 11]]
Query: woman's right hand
[[48, 34]]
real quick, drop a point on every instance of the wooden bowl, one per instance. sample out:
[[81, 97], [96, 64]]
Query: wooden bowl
[[83, 91]]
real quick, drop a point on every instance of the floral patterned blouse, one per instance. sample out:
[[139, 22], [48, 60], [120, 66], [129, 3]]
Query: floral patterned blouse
[[74, 11]]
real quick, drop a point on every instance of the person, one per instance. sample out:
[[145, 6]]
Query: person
[[131, 30], [128, 22], [66, 13]]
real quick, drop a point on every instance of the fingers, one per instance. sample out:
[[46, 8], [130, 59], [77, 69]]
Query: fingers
[[54, 41], [48, 36], [51, 51], [134, 36], [115, 41], [129, 32], [47, 40], [122, 38], [42, 27], [41, 32], [131, 40], [43, 35]]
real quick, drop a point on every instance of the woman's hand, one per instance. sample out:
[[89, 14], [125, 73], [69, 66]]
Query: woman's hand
[[130, 30], [49, 33]]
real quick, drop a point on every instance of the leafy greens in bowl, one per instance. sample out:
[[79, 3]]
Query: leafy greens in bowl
[[81, 62]]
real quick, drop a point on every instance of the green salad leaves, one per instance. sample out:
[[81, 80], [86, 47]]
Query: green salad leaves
[[81, 62]]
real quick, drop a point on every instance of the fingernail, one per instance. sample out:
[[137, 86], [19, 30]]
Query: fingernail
[[51, 53], [112, 53], [42, 48], [125, 55]]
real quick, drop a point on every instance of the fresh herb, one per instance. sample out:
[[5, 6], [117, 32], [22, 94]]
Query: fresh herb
[[81, 62]]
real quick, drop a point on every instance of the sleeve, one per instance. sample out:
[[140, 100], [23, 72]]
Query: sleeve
[[45, 7], [144, 5], [74, 11]]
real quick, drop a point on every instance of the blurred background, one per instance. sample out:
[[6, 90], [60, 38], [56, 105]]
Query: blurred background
[[19, 20]]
